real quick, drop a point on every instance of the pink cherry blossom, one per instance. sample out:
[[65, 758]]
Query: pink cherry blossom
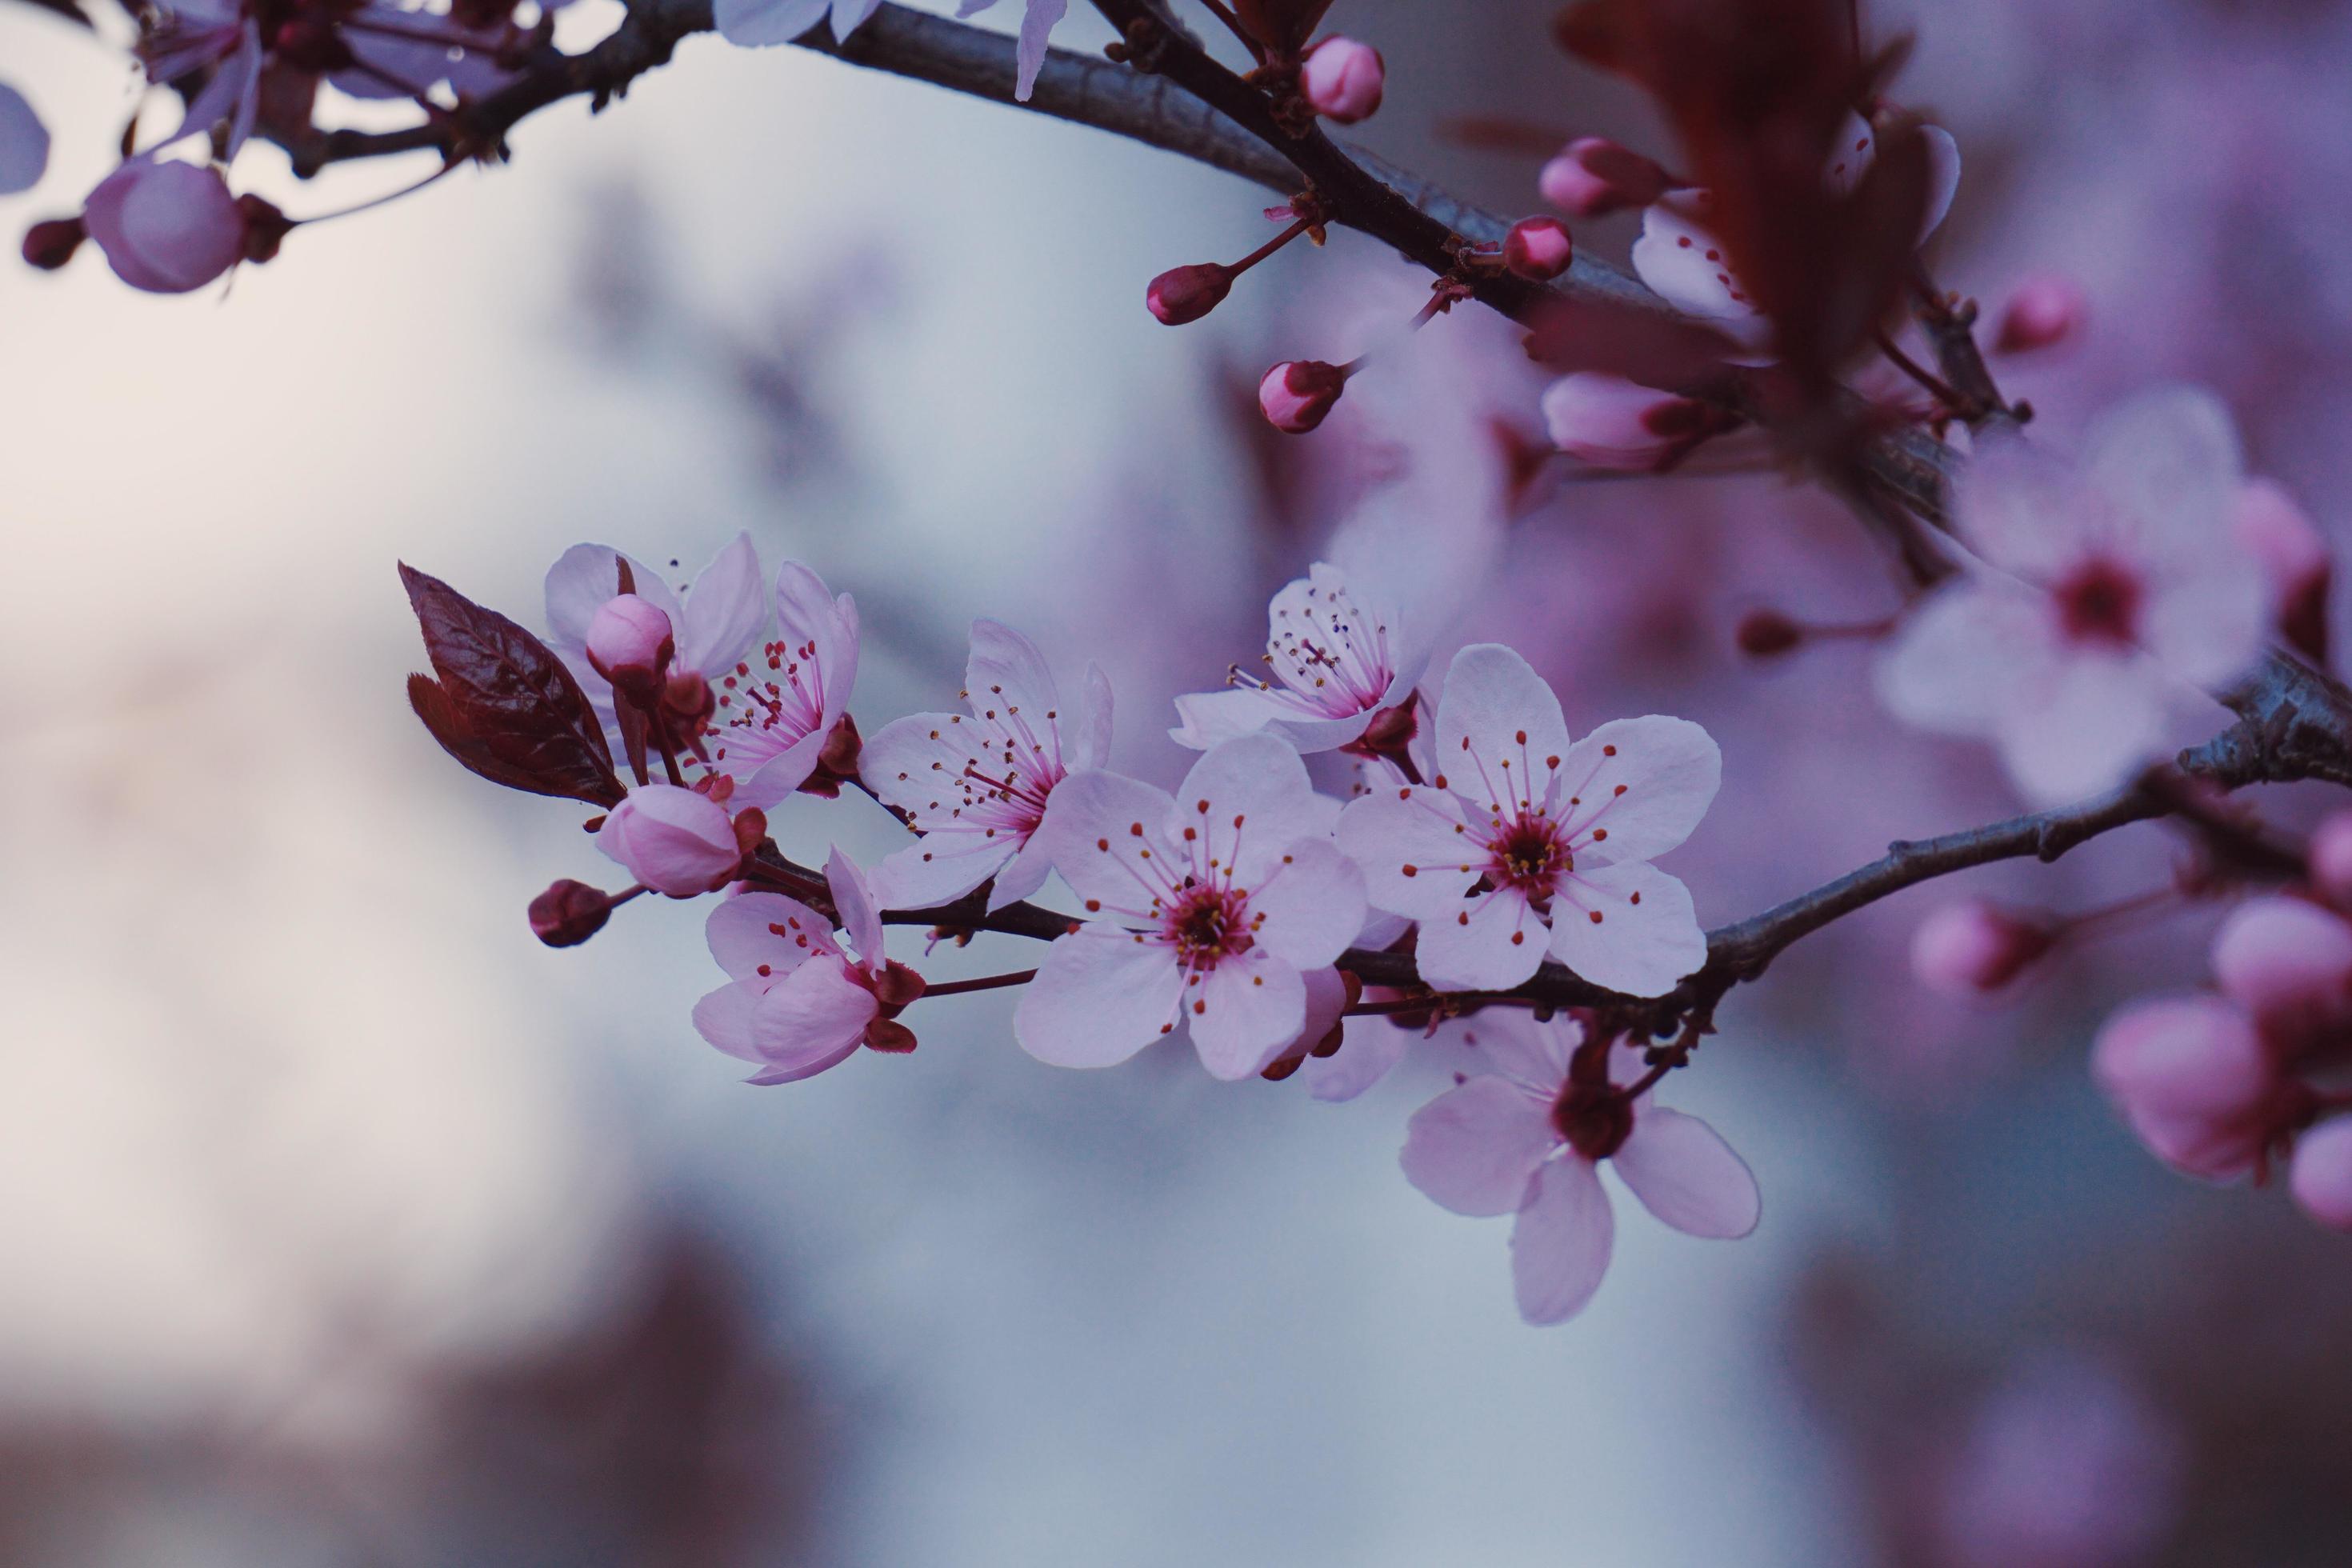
[[2101, 589], [772, 724], [675, 841], [1607, 422], [1523, 844], [2289, 963], [2321, 1176], [757, 24], [796, 1003], [1343, 80], [2044, 311], [2331, 858], [1297, 395], [1201, 910], [1538, 248], [24, 143], [1683, 262], [1340, 664], [1593, 176], [976, 784], [1976, 946], [2195, 1081], [2294, 559], [166, 227], [1037, 22], [1528, 1137]]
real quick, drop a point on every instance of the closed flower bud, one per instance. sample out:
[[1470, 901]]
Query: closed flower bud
[[1185, 294], [51, 244], [1342, 79], [1594, 177], [1973, 948], [2331, 860], [1538, 248], [2289, 963], [2193, 1078], [265, 227], [166, 227], [2041, 313], [2321, 1177], [1607, 422], [569, 914], [629, 641], [674, 840], [1298, 395]]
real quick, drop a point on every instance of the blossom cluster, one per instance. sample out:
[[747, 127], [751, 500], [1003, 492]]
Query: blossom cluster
[[1246, 913]]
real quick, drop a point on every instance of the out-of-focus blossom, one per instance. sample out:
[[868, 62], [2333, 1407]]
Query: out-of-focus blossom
[[783, 718], [1523, 844], [2321, 1176], [1540, 248], [2295, 559], [2331, 858], [675, 841], [1528, 1138], [1037, 20], [1297, 396], [1341, 665], [166, 228], [1684, 263], [2063, 1466], [1974, 947], [2043, 312], [24, 143], [2289, 963], [796, 1003], [1202, 909], [1343, 80], [2103, 586], [976, 784], [2194, 1080], [757, 24], [1607, 422], [713, 628], [1593, 176]]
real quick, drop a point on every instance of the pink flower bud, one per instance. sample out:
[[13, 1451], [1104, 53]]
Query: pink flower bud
[[2331, 860], [2295, 558], [674, 840], [1594, 177], [1974, 947], [1185, 294], [1296, 394], [1539, 247], [2289, 963], [2043, 312], [2194, 1080], [1768, 633], [2321, 1177], [569, 914], [1610, 423], [630, 637], [51, 244], [166, 227], [1343, 79]]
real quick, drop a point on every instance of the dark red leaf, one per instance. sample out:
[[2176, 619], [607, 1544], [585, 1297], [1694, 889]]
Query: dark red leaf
[[503, 703]]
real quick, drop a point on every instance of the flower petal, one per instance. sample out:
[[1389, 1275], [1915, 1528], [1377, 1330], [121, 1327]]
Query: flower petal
[[1253, 800], [743, 934], [1500, 735], [1509, 1041], [860, 920], [1309, 908], [1630, 928], [1473, 1149], [757, 24], [941, 868], [1100, 996], [1417, 856], [1371, 1049], [1560, 1246], [1684, 1174], [1492, 942], [1968, 656], [2100, 718], [724, 613], [1645, 784], [2168, 462], [586, 578], [1104, 833], [1037, 32], [24, 143], [1006, 675], [724, 1018], [1244, 1012], [811, 1021]]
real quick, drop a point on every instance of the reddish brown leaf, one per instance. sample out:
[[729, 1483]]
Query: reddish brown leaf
[[503, 703]]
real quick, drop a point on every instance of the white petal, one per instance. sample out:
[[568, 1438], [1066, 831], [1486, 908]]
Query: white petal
[[1560, 1245], [2100, 718], [724, 613], [584, 579], [1100, 996], [1943, 177], [1968, 656], [1646, 937], [1418, 828], [1006, 675], [1683, 263], [1491, 942], [1500, 735], [1473, 1149], [1509, 1041], [811, 1021], [1244, 1012], [724, 1018], [757, 24], [1251, 801], [1643, 784], [1104, 833], [1684, 1174], [861, 921], [1309, 909], [1373, 1046], [743, 935], [940, 868], [2168, 461]]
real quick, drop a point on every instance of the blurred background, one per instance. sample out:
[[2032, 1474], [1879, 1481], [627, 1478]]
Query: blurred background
[[343, 1223]]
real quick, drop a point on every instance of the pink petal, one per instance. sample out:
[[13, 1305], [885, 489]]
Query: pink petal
[[1007, 674], [855, 901], [24, 143], [1036, 31], [166, 227], [1490, 942], [1261, 781], [1509, 1041], [1372, 1048], [2168, 462], [757, 24], [807, 614], [1311, 906], [1683, 263], [1645, 784], [1500, 735], [1244, 1012], [1209, 718], [1684, 1174], [811, 1021], [1473, 1149], [742, 935], [2100, 718], [584, 579], [1422, 829], [1943, 177], [1091, 834], [724, 1018], [1560, 1245], [1647, 937], [1969, 653], [2022, 510], [723, 615], [1023, 875], [1100, 996], [940, 868]]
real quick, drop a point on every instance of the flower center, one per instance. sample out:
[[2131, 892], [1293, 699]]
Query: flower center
[[1595, 1119], [1207, 925], [2099, 603], [1530, 855]]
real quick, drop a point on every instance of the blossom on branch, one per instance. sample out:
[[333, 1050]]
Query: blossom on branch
[[1203, 909], [976, 784], [1527, 1136], [1524, 843], [24, 143], [712, 629], [1342, 666], [675, 841]]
